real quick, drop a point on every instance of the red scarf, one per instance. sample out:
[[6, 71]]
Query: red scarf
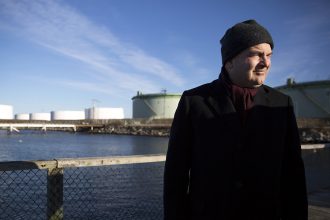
[[241, 97]]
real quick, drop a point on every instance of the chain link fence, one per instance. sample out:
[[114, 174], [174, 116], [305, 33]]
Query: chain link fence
[[83, 188]]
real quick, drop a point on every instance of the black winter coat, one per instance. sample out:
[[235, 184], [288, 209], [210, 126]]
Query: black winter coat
[[218, 169]]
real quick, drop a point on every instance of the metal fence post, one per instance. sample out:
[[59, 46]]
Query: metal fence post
[[55, 194]]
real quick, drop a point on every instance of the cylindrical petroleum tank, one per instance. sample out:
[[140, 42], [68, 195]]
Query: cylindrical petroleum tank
[[67, 115], [6, 112], [42, 116], [104, 113], [22, 116], [158, 105], [310, 99]]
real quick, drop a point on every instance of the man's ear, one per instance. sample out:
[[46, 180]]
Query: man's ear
[[229, 66]]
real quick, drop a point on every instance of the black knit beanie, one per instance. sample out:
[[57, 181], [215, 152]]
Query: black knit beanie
[[241, 36]]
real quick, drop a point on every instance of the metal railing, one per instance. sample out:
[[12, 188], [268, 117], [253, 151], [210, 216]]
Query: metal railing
[[122, 187]]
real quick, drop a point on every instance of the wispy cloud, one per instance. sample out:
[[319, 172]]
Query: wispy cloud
[[60, 28]]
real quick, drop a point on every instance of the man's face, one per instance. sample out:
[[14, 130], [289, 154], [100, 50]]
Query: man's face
[[250, 67]]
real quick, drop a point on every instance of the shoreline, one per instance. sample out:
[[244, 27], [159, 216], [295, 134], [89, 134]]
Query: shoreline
[[311, 131]]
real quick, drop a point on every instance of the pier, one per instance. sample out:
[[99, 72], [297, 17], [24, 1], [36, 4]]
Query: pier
[[44, 126], [16, 126], [157, 127]]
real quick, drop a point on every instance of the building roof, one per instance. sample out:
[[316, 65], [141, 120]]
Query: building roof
[[155, 95], [292, 84]]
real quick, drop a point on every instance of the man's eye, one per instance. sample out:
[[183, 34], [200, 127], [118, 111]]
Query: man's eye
[[254, 54]]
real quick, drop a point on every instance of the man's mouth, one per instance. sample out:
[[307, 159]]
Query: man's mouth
[[260, 72]]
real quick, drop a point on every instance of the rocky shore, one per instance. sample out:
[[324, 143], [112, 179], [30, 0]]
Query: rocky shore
[[314, 130], [310, 130], [154, 127], [150, 130], [314, 135]]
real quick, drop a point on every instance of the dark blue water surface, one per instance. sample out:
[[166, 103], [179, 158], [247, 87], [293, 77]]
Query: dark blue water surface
[[37, 145]]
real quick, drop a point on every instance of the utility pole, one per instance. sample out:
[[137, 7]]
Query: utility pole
[[164, 100], [94, 101]]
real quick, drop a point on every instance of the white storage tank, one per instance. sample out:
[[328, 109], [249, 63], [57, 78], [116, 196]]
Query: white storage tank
[[67, 115], [310, 99], [40, 116], [6, 112], [22, 116], [104, 113], [158, 105]]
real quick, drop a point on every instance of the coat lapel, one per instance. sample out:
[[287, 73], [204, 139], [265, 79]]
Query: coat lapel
[[262, 97], [219, 100], [221, 105], [256, 115]]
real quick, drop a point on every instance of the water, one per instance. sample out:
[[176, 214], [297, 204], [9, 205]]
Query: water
[[36, 145], [317, 168], [111, 192]]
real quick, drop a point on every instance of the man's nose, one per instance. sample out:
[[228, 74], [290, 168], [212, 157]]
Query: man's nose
[[265, 60]]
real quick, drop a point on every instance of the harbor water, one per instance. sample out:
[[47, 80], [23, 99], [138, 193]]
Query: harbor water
[[38, 145]]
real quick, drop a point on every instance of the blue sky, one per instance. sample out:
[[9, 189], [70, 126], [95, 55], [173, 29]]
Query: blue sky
[[62, 55]]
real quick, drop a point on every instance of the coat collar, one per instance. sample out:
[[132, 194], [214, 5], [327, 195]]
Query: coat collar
[[220, 98], [221, 104]]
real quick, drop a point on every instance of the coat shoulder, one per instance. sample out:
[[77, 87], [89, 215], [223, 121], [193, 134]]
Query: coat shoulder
[[202, 90], [275, 94]]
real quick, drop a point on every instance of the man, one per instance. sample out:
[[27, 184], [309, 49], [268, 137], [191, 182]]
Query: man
[[234, 149]]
